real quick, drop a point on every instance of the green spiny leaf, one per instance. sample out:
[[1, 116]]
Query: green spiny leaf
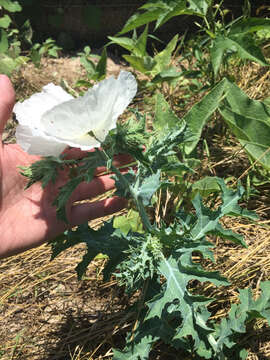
[[239, 315], [106, 240], [249, 121], [147, 188], [199, 114], [177, 296], [101, 65], [165, 118], [126, 42], [199, 6], [230, 202], [84, 171], [206, 186], [259, 308], [64, 195], [244, 45], [45, 170], [141, 261], [207, 220], [163, 58], [229, 235], [134, 352], [140, 48], [143, 64]]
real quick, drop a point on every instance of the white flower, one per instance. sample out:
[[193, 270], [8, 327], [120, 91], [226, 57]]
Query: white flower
[[51, 120]]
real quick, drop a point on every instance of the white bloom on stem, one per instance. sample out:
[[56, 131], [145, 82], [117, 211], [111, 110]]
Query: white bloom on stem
[[51, 120]]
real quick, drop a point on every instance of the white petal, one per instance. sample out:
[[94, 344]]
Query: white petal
[[127, 86], [30, 111], [35, 142], [85, 142], [120, 92], [105, 93], [71, 119], [77, 117], [53, 119], [96, 111]]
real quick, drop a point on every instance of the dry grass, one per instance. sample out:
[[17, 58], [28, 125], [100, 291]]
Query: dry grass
[[47, 314]]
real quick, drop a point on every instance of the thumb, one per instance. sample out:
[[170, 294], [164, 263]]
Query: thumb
[[7, 100]]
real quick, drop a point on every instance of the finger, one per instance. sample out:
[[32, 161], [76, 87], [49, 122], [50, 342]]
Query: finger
[[89, 211], [119, 160], [97, 186], [75, 153], [7, 100]]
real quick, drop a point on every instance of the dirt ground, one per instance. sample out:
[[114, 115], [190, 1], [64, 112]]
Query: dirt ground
[[47, 314]]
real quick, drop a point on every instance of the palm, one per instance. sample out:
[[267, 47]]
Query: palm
[[25, 215], [12, 182]]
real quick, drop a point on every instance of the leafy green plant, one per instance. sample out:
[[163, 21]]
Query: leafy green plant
[[10, 44], [217, 42], [247, 119], [155, 257], [220, 40], [150, 250], [47, 48], [238, 39], [94, 71], [159, 67]]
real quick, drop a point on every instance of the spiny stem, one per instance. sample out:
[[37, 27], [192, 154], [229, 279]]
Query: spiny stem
[[145, 220], [144, 217]]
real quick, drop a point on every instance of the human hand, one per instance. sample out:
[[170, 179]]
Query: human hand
[[27, 217]]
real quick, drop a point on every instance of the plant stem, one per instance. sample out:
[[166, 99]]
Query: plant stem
[[140, 207], [144, 217]]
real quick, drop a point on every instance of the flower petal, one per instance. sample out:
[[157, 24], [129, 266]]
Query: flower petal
[[127, 89], [71, 119], [120, 92], [31, 110], [96, 111], [85, 142], [53, 119], [35, 142]]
